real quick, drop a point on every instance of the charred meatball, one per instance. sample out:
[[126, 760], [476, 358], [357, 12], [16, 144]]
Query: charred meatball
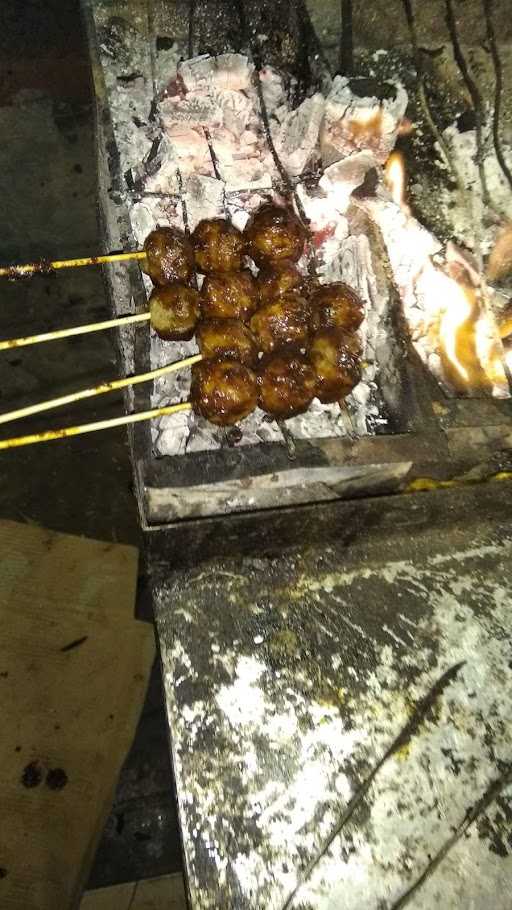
[[337, 306], [223, 391], [229, 296], [274, 234], [279, 280], [335, 357], [174, 311], [218, 246], [286, 383], [169, 256], [227, 339], [287, 321]]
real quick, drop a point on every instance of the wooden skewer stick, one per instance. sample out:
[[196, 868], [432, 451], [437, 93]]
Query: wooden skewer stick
[[76, 330], [93, 427], [100, 389], [47, 265]]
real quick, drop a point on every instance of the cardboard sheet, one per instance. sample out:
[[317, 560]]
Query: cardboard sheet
[[74, 666]]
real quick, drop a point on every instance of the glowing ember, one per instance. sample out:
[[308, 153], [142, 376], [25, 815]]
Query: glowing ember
[[394, 172]]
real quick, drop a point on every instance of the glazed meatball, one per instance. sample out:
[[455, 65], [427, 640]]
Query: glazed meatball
[[227, 339], [287, 321], [274, 234], [286, 383], [277, 281], [229, 296], [169, 256], [174, 311], [335, 357], [337, 306], [223, 391], [218, 246]]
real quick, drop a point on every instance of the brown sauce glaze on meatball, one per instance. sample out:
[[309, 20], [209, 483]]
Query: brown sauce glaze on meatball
[[174, 312], [223, 391], [274, 234], [169, 256], [231, 295], [276, 281], [286, 383], [286, 321], [227, 339], [335, 357], [218, 246], [337, 306]]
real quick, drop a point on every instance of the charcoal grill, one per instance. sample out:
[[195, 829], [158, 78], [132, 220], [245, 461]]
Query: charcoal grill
[[419, 433]]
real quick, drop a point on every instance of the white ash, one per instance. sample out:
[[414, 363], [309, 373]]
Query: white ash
[[296, 136], [354, 124], [470, 218], [342, 177], [125, 53]]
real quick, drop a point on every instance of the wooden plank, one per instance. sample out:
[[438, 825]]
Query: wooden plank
[[74, 665]]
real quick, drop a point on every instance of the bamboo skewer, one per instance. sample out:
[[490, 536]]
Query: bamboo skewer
[[100, 389], [75, 330], [64, 432], [46, 265]]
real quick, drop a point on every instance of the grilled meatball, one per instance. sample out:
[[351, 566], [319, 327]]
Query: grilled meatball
[[335, 357], [174, 311], [287, 384], [273, 282], [218, 246], [169, 256], [223, 391], [286, 321], [337, 306], [232, 295], [274, 234], [227, 339]]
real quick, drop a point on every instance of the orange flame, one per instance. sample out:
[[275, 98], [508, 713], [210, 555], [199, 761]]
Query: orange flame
[[394, 178], [468, 344]]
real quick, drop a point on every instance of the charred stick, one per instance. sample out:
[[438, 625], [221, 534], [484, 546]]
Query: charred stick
[[474, 93], [191, 16], [422, 709], [498, 88], [492, 792], [425, 104], [346, 56]]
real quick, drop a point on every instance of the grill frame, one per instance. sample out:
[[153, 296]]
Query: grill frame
[[248, 479]]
